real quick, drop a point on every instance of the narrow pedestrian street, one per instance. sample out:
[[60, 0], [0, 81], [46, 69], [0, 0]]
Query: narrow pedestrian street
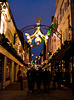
[[13, 92], [37, 50]]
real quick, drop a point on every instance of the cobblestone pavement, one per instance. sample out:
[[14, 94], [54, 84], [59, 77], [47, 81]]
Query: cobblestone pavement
[[13, 92]]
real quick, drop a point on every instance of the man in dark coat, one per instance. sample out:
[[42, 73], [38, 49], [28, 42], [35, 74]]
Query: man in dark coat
[[48, 78], [31, 79], [59, 78], [45, 77], [19, 75], [39, 78], [54, 78]]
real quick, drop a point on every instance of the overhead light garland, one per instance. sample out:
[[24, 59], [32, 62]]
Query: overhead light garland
[[37, 57], [38, 35], [34, 56]]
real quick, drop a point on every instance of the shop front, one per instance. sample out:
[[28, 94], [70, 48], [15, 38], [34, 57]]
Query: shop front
[[63, 61], [8, 68], [1, 66]]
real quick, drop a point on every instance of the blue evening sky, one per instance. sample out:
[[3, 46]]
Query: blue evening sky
[[26, 11]]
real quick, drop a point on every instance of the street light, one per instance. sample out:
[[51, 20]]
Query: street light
[[49, 53]]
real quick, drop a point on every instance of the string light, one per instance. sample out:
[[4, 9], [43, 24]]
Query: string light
[[31, 46], [32, 55], [37, 43], [36, 57], [46, 37], [28, 37]]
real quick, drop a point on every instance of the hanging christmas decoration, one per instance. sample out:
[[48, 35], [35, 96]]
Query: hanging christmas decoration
[[38, 35], [42, 40], [29, 52], [34, 44]]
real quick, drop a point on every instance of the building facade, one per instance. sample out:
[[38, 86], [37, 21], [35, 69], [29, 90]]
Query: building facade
[[61, 41], [59, 51], [12, 47]]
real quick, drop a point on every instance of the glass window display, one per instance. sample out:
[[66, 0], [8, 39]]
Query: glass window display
[[8, 69]]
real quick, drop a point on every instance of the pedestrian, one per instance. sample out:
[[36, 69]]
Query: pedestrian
[[48, 78], [54, 78], [67, 77], [39, 78], [45, 75], [19, 75], [31, 79], [59, 78]]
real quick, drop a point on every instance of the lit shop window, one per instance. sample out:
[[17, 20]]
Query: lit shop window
[[7, 73], [0, 71], [8, 66]]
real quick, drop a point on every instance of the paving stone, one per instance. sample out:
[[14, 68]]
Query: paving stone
[[13, 92]]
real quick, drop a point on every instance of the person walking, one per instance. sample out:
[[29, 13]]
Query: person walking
[[45, 75], [19, 75], [31, 79], [39, 78], [54, 78], [59, 78], [48, 78]]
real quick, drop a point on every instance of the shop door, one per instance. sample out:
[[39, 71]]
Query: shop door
[[1, 65], [14, 72], [0, 72]]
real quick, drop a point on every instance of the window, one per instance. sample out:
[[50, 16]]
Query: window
[[67, 34], [8, 66], [58, 19], [65, 6], [64, 36], [62, 13]]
